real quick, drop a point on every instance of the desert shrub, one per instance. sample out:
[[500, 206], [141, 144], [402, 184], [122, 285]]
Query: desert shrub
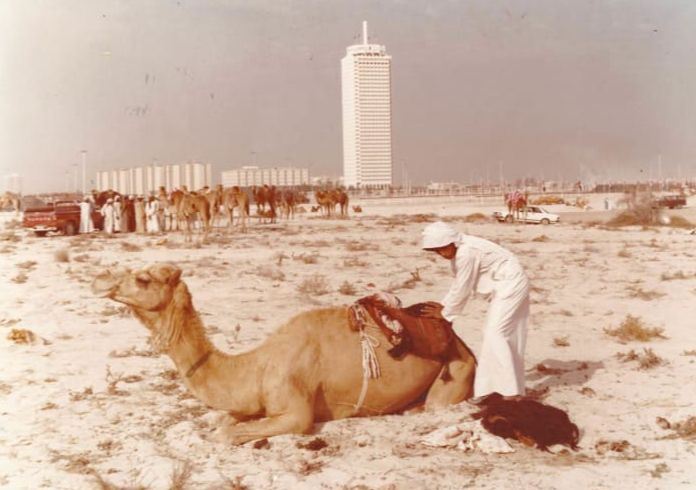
[[130, 247], [689, 353], [677, 275], [638, 292], [351, 262], [624, 254], [347, 288], [647, 360], [315, 284], [541, 238], [270, 272], [477, 218], [561, 342], [28, 265], [409, 283], [312, 258], [279, 257], [632, 328], [62, 255], [356, 246], [20, 278]]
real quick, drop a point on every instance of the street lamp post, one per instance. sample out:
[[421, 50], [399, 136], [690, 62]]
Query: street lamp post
[[84, 172]]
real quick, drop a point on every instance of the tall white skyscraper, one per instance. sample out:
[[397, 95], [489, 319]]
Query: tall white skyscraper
[[366, 82]]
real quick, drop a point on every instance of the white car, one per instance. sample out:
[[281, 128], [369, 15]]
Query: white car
[[534, 214]]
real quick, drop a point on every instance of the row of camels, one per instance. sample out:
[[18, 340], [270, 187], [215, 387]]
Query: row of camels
[[209, 205], [309, 370]]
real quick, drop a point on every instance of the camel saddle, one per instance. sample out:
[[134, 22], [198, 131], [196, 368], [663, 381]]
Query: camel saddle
[[406, 329]]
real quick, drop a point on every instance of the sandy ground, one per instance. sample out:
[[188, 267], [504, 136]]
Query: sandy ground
[[87, 405]]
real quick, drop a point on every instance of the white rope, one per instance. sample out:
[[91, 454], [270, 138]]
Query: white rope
[[369, 364]]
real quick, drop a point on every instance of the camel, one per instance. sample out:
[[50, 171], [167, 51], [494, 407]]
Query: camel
[[236, 198], [214, 197], [265, 195], [309, 370], [326, 202], [516, 202], [8, 198], [100, 198], [192, 204], [341, 198], [172, 205], [288, 204]]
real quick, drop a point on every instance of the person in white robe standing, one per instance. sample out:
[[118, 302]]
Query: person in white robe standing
[[481, 266], [108, 212], [86, 224], [151, 209], [117, 214]]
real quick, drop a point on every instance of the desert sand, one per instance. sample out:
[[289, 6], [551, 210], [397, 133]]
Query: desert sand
[[86, 404]]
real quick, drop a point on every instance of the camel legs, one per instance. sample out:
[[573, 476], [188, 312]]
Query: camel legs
[[460, 387], [294, 417]]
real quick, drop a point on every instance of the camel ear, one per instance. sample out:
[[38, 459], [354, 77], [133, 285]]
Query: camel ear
[[167, 274]]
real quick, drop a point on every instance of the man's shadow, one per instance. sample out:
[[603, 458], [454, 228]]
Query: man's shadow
[[550, 373]]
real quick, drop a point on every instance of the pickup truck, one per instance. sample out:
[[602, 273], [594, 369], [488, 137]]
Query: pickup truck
[[62, 216], [671, 201]]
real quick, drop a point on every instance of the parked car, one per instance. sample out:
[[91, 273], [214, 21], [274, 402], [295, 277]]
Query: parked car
[[534, 214], [671, 201], [63, 216]]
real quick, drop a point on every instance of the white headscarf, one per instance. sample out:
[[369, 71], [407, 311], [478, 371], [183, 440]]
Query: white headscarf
[[438, 235]]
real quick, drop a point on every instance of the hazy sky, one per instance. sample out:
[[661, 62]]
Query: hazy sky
[[601, 89]]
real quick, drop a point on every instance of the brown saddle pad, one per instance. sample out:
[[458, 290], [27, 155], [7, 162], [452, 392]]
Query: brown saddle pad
[[426, 337]]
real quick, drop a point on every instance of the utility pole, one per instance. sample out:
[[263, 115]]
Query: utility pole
[[84, 172]]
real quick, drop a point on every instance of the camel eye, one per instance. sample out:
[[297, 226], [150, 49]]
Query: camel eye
[[143, 280]]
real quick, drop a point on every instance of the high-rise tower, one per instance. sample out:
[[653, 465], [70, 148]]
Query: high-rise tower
[[366, 81]]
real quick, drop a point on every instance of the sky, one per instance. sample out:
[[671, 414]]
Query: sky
[[593, 90]]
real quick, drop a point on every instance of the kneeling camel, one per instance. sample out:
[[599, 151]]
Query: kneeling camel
[[309, 370]]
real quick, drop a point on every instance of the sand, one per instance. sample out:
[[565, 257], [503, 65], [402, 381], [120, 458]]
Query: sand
[[86, 404]]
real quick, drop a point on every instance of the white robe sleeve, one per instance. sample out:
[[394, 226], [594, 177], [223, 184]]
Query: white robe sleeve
[[466, 267]]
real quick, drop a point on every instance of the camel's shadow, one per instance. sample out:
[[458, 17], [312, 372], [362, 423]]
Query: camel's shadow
[[550, 373]]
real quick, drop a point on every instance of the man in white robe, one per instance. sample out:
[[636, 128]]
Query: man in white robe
[[151, 209], [86, 224], [484, 267], [108, 212]]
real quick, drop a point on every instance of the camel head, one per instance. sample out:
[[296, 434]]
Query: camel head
[[150, 289]]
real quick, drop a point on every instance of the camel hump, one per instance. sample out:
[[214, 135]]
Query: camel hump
[[407, 330]]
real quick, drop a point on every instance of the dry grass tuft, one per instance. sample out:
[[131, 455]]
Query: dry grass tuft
[[62, 255], [130, 247], [28, 265], [21, 336], [478, 218], [541, 238], [647, 360], [677, 275], [624, 254], [270, 272], [633, 329], [315, 284], [356, 246], [20, 278], [312, 258], [407, 284], [181, 475], [348, 289], [561, 342], [356, 262], [689, 353], [639, 293], [102, 484]]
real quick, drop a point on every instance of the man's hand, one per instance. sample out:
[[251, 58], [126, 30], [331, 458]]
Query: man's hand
[[432, 310]]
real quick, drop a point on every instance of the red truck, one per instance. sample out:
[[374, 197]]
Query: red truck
[[63, 216]]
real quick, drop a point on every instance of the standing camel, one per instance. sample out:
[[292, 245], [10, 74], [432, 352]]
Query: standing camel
[[326, 201], [236, 198], [341, 198], [265, 195], [194, 204], [516, 202], [214, 197], [309, 370]]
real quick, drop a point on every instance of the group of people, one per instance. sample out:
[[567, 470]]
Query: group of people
[[125, 214]]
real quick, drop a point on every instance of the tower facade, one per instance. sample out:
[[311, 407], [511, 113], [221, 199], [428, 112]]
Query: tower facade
[[366, 87]]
